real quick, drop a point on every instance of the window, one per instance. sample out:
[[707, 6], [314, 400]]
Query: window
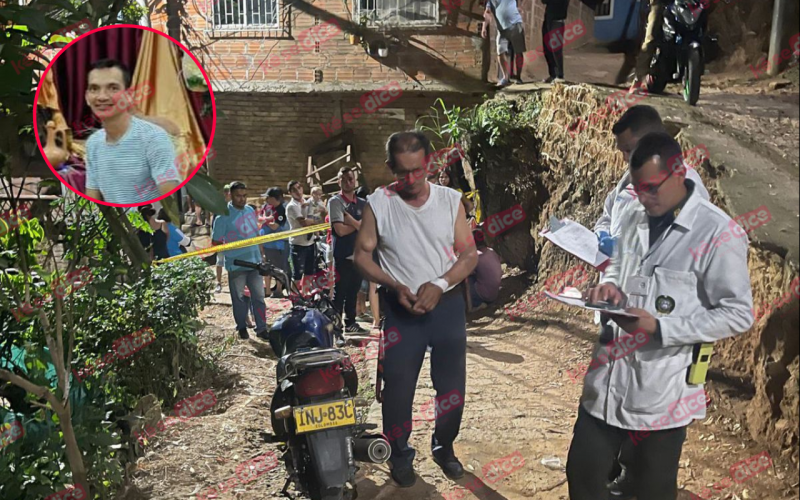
[[238, 14], [604, 10], [398, 12]]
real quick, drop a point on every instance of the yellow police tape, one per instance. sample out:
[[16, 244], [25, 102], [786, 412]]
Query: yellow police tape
[[258, 240]]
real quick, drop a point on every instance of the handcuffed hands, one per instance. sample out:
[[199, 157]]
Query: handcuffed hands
[[428, 297], [406, 298]]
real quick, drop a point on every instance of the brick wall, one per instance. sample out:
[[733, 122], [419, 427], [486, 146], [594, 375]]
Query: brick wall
[[450, 54], [263, 138]]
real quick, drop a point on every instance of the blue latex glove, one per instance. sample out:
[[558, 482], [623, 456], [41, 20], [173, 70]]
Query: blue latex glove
[[606, 243]]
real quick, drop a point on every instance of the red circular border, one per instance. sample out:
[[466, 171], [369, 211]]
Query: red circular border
[[186, 51]]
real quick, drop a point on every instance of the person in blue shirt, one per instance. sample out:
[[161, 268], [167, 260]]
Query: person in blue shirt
[[273, 216], [129, 161], [510, 38], [177, 241], [241, 223]]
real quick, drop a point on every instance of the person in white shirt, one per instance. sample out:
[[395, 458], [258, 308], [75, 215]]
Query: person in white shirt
[[302, 250], [510, 38], [423, 298], [316, 206], [634, 124], [638, 389]]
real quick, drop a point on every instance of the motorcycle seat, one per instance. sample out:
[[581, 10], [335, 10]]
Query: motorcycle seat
[[296, 362]]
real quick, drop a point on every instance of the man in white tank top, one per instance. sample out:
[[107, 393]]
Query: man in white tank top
[[414, 226]]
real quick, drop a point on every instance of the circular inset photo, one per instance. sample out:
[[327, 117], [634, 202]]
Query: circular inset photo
[[124, 115]]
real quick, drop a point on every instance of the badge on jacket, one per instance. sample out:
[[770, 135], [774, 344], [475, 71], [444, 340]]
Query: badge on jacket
[[665, 304]]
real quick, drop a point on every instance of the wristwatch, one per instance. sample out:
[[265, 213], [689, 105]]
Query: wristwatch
[[441, 283]]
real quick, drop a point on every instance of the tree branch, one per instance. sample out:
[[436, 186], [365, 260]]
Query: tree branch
[[36, 390]]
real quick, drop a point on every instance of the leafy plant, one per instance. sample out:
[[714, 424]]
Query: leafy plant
[[450, 126], [40, 350], [490, 121], [75, 431], [132, 13]]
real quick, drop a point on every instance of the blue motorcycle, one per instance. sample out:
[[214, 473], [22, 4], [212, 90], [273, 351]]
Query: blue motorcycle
[[313, 409]]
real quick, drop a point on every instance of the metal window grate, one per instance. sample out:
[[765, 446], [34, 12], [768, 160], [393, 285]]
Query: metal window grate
[[398, 12], [604, 8], [231, 15]]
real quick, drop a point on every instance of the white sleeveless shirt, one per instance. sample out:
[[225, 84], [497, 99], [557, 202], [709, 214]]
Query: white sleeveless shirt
[[415, 244]]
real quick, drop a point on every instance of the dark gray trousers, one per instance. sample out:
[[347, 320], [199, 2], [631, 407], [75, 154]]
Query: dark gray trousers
[[595, 446], [444, 329]]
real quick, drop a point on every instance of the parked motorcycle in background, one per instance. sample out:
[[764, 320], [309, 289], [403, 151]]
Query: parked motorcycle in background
[[313, 409], [679, 56]]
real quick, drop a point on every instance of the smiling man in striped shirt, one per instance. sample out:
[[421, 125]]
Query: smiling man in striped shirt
[[129, 160]]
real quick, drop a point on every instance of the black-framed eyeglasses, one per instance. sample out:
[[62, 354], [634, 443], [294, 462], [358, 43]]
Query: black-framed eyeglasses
[[651, 189]]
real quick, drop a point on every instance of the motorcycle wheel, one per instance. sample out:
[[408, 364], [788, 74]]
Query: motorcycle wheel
[[694, 74]]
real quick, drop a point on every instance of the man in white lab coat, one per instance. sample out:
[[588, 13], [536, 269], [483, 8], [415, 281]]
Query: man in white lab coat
[[634, 124], [636, 389]]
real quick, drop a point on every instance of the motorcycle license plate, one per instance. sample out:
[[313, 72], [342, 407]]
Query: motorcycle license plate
[[325, 416]]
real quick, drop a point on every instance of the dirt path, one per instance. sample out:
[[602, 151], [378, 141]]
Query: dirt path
[[519, 399]]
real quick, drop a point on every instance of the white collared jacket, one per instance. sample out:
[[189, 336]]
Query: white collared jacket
[[697, 299]]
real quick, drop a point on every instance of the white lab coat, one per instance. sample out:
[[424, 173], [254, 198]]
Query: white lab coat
[[623, 198], [622, 201], [712, 301]]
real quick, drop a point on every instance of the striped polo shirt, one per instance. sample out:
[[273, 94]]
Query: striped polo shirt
[[130, 170]]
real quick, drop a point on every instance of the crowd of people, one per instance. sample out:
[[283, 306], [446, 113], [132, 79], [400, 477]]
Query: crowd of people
[[406, 239], [304, 257]]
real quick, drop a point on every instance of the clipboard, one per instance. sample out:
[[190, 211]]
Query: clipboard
[[571, 301]]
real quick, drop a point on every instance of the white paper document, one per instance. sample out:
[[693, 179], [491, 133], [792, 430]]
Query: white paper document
[[571, 301], [579, 241]]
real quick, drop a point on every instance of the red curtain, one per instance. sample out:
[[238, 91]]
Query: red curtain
[[73, 66], [206, 122]]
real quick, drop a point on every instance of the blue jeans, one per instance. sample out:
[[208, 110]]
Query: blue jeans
[[237, 280]]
